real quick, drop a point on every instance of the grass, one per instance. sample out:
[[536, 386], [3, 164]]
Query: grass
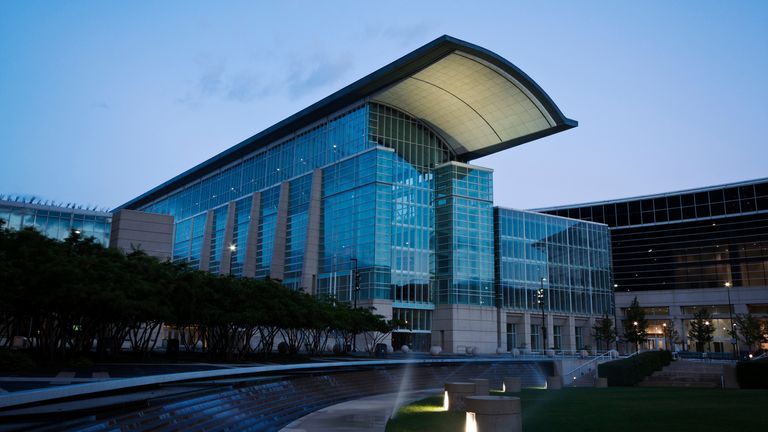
[[628, 409]]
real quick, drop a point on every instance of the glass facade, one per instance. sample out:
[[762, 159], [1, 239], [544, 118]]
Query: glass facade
[[687, 240], [55, 221], [396, 209], [570, 259]]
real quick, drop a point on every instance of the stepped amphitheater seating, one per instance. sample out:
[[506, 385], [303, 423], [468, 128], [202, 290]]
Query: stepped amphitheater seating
[[269, 406]]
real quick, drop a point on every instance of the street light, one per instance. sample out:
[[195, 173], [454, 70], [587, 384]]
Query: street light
[[637, 333], [540, 298], [732, 333], [232, 250], [615, 316], [356, 288]]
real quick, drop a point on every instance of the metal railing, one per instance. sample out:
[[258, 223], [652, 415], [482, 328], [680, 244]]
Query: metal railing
[[592, 365]]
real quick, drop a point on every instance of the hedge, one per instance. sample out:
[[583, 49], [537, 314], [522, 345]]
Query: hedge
[[632, 370], [752, 374]]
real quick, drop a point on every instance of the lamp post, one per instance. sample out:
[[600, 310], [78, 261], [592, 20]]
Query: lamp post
[[232, 250], [709, 344], [732, 333], [637, 335], [356, 282], [356, 289], [540, 298], [615, 317]]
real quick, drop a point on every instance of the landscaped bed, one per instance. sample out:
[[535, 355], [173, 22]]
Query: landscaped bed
[[623, 408]]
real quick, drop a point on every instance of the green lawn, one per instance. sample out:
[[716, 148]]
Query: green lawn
[[624, 409]]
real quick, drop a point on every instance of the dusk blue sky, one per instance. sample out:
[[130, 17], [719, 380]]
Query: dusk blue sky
[[101, 101]]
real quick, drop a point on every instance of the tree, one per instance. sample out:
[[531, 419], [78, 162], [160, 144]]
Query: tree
[[750, 329], [636, 326], [603, 330], [671, 335], [701, 328]]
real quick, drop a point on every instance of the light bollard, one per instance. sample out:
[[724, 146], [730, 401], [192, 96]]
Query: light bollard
[[554, 383], [482, 386], [511, 385], [493, 414], [456, 393]]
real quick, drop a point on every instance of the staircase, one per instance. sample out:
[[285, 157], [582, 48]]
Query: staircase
[[689, 374]]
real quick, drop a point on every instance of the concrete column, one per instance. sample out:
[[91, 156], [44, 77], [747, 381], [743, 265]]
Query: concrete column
[[229, 229], [252, 242], [205, 251], [550, 331], [572, 334], [589, 339], [527, 329], [277, 268], [310, 266]]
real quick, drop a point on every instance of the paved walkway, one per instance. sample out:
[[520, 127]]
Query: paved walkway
[[366, 414]]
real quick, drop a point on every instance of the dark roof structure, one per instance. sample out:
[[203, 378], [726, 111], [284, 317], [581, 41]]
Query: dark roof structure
[[476, 100]]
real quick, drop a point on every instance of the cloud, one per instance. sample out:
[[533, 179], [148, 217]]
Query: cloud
[[245, 86], [322, 71], [101, 105]]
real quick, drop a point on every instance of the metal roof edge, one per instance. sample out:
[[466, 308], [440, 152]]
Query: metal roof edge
[[358, 91]]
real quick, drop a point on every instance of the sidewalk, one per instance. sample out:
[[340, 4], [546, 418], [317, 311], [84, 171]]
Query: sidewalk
[[365, 414]]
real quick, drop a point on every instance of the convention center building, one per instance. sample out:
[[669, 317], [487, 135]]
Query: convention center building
[[681, 252], [369, 196]]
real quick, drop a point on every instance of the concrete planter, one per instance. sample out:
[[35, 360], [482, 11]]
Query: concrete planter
[[494, 414], [554, 383], [482, 386], [457, 392], [601, 382], [511, 385]]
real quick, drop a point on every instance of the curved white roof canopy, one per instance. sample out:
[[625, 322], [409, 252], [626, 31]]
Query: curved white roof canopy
[[471, 103], [479, 102]]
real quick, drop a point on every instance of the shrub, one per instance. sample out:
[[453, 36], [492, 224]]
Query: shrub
[[632, 370], [15, 361], [752, 374]]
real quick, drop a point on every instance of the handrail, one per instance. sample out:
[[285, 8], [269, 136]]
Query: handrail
[[761, 356], [594, 360]]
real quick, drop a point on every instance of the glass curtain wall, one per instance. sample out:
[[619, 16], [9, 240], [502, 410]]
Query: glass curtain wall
[[464, 236], [572, 257], [56, 222]]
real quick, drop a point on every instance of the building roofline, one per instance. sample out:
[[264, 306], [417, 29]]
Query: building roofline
[[652, 196], [54, 207], [549, 215], [359, 91]]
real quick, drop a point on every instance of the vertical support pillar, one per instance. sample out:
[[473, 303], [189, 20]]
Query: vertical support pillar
[[277, 268], [252, 242], [527, 330], [312, 244], [589, 337], [572, 333], [229, 229], [550, 331], [205, 251]]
